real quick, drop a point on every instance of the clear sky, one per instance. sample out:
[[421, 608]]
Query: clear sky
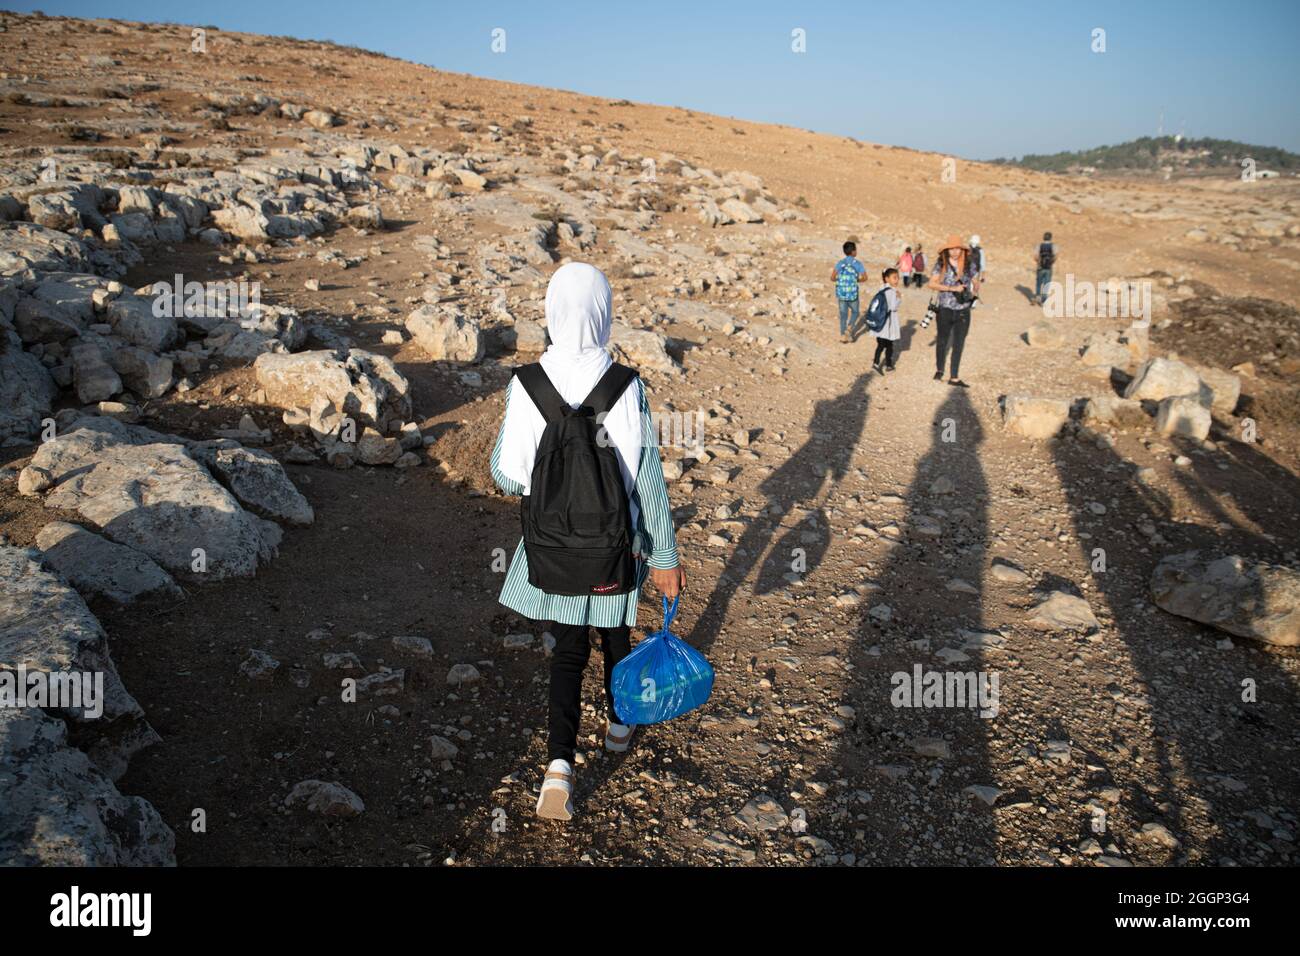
[[975, 78]]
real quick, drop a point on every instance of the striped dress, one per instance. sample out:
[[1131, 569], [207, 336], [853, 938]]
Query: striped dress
[[654, 525]]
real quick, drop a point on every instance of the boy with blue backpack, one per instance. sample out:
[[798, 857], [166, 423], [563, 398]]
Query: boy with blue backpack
[[882, 320], [847, 275]]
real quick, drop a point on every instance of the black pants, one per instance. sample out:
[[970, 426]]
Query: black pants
[[952, 326], [884, 347], [568, 661]]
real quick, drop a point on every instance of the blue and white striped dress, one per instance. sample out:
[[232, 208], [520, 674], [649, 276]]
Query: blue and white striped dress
[[654, 524]]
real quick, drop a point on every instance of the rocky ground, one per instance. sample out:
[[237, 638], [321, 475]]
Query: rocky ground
[[249, 509]]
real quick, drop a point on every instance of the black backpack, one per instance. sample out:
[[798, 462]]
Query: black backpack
[[1046, 255], [576, 518]]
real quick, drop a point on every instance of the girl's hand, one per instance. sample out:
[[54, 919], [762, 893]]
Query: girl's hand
[[668, 581]]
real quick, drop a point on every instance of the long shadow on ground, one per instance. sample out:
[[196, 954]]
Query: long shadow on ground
[[910, 805], [1219, 760]]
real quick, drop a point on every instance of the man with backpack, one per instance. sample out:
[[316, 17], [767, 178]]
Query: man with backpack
[[1044, 260], [578, 444], [847, 275]]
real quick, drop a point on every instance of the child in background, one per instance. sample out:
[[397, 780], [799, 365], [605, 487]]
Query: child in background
[[889, 333], [918, 267], [905, 263], [847, 275]]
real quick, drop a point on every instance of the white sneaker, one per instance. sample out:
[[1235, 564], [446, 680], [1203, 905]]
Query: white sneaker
[[555, 801], [618, 736]]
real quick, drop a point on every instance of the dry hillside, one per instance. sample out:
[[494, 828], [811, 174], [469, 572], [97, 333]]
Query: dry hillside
[[839, 526]]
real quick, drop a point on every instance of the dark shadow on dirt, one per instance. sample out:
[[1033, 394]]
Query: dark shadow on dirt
[[802, 481], [1218, 756], [918, 811]]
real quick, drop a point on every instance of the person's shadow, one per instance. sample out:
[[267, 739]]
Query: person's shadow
[[819, 464], [906, 332], [1219, 758], [881, 755]]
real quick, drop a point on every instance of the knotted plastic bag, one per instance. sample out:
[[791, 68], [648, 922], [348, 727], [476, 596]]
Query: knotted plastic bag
[[662, 679]]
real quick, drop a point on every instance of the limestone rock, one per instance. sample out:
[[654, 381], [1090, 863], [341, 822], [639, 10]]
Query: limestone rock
[[1161, 378], [643, 349], [1225, 388], [27, 393], [1234, 594], [1105, 350], [763, 813], [257, 479], [1034, 417], [321, 119], [143, 372], [739, 211], [361, 385], [144, 490], [445, 334], [132, 317], [1044, 335], [1183, 416], [92, 376], [1111, 410], [46, 627], [60, 810], [373, 448], [38, 321], [1062, 611], [329, 799], [26, 245], [97, 567], [242, 222]]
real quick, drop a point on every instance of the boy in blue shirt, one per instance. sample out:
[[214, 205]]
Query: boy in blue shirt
[[847, 275]]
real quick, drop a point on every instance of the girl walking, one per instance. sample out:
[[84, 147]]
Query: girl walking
[[956, 281], [578, 316]]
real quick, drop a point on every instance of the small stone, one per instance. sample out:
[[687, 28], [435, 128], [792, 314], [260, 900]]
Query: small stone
[[413, 645], [327, 799], [931, 747], [442, 748], [985, 794], [259, 665], [461, 674]]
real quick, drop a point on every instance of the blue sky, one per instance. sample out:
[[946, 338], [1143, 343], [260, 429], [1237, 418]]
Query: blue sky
[[976, 79]]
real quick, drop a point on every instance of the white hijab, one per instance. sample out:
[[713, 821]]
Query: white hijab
[[578, 315]]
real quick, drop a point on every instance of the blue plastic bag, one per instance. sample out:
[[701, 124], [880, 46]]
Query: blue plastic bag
[[662, 679]]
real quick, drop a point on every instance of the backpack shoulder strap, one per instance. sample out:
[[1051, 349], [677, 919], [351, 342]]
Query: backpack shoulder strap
[[609, 389], [539, 388]]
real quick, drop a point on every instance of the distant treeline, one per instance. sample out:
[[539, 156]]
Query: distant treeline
[[1155, 152]]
